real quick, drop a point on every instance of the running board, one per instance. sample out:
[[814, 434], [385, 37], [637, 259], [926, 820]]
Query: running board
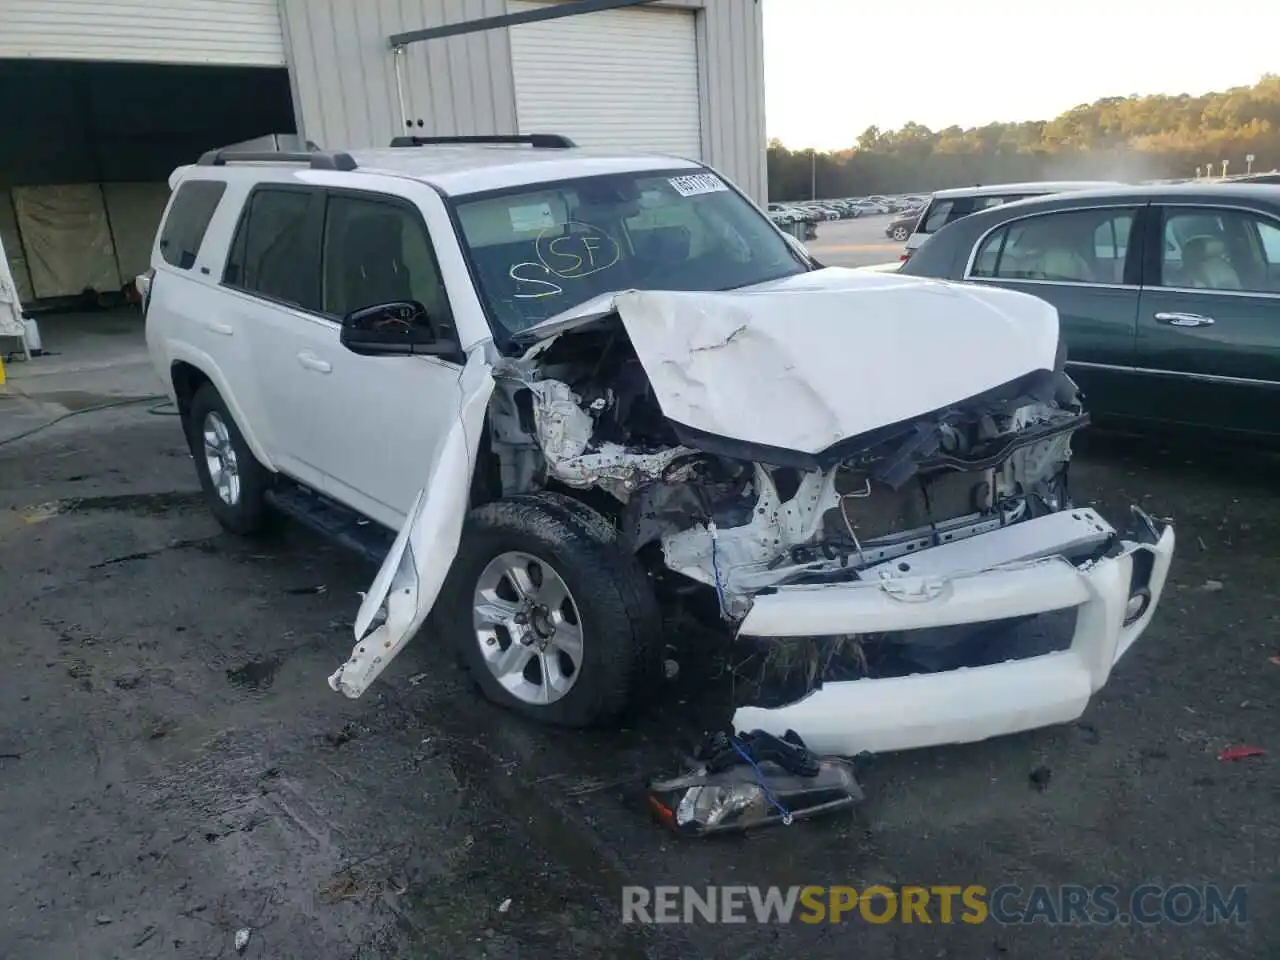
[[332, 520]]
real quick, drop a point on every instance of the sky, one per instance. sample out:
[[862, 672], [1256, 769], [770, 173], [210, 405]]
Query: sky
[[834, 67]]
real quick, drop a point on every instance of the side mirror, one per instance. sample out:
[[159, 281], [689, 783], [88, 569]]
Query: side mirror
[[401, 328]]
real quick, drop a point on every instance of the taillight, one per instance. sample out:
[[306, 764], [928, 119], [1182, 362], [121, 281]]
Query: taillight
[[905, 257], [143, 285]]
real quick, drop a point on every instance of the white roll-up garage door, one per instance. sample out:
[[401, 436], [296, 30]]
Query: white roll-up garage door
[[217, 32], [623, 78]]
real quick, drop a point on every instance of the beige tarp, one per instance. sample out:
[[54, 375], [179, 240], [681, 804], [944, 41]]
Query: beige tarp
[[67, 239], [134, 210]]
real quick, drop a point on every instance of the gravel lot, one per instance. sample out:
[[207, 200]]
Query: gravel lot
[[174, 768]]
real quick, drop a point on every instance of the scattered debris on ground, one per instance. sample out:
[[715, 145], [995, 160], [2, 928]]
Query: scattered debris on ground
[[1040, 778], [740, 781], [1242, 752]]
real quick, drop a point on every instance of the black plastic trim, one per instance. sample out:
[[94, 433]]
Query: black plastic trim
[[317, 159], [549, 141]]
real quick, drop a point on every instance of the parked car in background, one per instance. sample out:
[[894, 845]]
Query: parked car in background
[[900, 227], [948, 206], [1168, 296], [870, 208]]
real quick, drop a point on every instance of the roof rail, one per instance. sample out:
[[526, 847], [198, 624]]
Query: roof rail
[[539, 140], [318, 159]]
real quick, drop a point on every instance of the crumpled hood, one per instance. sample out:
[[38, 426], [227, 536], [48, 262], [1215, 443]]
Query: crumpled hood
[[804, 363]]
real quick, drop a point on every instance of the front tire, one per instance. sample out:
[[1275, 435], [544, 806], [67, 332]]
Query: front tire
[[553, 619], [234, 482], [901, 233]]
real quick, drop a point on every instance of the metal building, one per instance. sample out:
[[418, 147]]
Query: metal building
[[101, 100]]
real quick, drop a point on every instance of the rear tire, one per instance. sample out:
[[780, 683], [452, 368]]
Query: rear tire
[[234, 482], [520, 646], [901, 233]]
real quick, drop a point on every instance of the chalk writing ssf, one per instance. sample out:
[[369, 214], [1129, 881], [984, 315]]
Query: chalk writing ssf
[[588, 247], [549, 289]]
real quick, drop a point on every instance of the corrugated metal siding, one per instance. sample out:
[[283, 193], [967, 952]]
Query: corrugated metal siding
[[617, 78], [344, 75], [731, 47], [224, 32], [345, 87]]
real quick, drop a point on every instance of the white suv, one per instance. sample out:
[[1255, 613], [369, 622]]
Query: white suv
[[586, 387]]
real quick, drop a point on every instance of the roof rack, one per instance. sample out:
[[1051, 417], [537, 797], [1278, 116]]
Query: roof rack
[[318, 159], [551, 141]]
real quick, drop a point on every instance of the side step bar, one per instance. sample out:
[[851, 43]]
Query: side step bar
[[334, 521]]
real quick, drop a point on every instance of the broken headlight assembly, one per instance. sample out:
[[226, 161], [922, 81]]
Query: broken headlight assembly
[[752, 780]]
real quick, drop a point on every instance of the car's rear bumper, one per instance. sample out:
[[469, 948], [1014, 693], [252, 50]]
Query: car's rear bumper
[[973, 703]]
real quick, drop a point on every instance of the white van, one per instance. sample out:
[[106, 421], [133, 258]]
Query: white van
[[947, 206]]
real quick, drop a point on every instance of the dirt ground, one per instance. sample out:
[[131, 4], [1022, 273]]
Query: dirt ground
[[174, 768]]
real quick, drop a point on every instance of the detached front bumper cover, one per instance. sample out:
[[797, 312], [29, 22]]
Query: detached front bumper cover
[[1016, 572]]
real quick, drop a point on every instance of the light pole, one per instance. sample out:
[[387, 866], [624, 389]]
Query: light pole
[[1248, 163]]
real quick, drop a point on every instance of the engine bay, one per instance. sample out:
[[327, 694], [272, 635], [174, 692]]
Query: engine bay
[[579, 411]]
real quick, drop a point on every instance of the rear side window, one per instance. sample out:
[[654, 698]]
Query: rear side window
[[188, 220], [943, 212], [1077, 246], [276, 250]]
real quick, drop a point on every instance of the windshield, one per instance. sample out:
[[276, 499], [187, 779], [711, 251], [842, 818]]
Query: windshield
[[541, 249]]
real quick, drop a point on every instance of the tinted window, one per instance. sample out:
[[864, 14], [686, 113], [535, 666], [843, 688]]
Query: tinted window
[[1082, 246], [943, 212], [189, 215], [1207, 249], [542, 249], [378, 252], [276, 250], [939, 215]]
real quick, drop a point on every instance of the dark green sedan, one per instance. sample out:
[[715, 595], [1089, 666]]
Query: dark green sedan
[[1168, 296]]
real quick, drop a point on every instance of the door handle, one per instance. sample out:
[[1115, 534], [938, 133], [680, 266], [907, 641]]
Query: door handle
[[312, 362], [1184, 319], [223, 329]]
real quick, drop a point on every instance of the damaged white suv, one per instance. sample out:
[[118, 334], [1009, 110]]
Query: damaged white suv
[[586, 387]]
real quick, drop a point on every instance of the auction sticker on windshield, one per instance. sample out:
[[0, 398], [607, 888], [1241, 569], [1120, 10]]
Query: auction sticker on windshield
[[698, 183], [531, 218]]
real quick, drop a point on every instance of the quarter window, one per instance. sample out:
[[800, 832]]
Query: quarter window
[[378, 252], [188, 220], [276, 250], [1077, 246], [1206, 249]]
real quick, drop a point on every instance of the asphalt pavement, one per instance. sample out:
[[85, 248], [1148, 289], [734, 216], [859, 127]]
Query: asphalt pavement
[[174, 767], [854, 243]]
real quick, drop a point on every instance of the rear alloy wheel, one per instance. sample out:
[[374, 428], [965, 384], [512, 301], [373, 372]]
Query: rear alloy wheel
[[901, 233], [554, 619], [234, 482], [220, 458]]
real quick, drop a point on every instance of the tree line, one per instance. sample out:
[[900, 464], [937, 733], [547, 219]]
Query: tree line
[[1117, 138]]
